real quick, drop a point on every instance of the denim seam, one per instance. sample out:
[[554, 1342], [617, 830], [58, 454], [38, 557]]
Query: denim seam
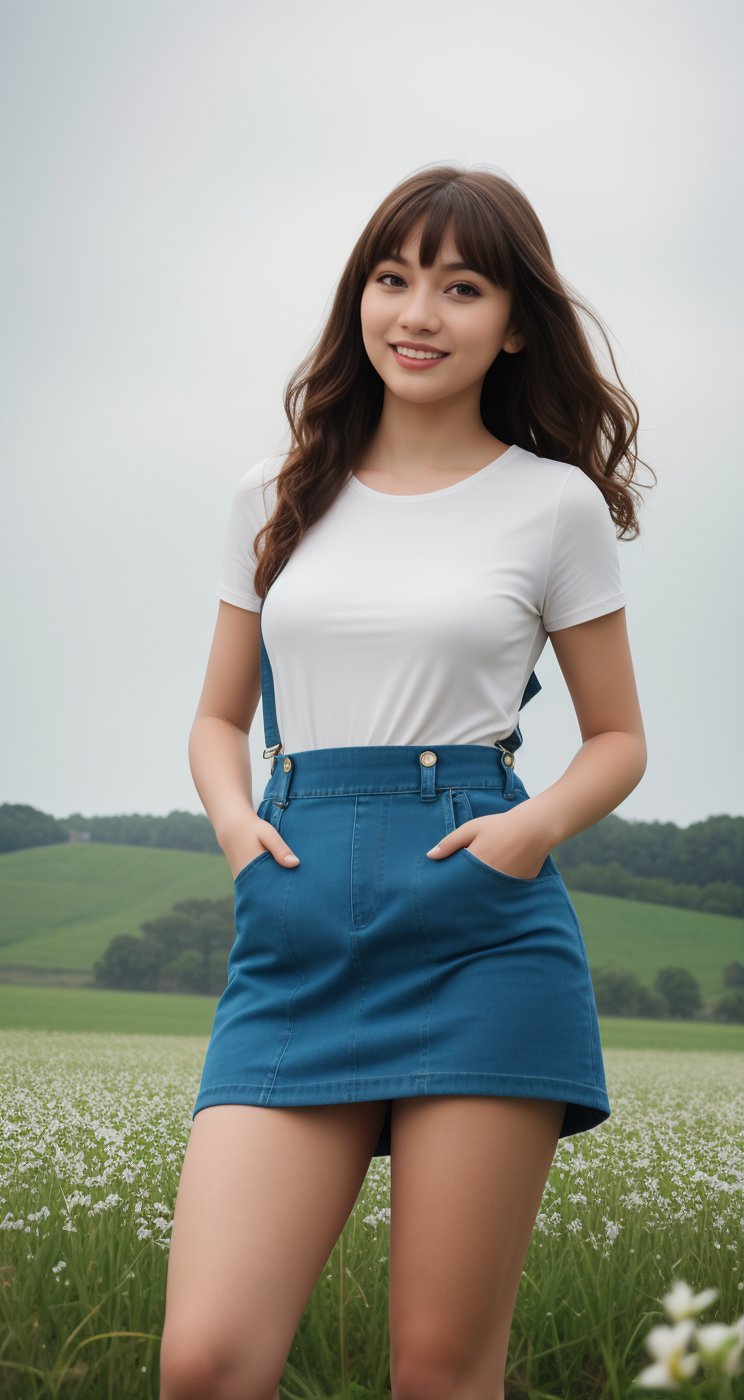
[[356, 789], [421, 926], [355, 954], [437, 1076], [268, 1088], [587, 975], [515, 881]]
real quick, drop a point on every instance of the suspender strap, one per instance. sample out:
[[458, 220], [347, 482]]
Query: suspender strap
[[272, 737]]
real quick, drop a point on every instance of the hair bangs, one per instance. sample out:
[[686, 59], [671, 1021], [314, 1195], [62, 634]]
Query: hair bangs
[[448, 209]]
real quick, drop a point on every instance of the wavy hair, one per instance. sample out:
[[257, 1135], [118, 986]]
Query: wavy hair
[[549, 397]]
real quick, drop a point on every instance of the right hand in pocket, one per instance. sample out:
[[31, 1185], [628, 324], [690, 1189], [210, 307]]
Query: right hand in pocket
[[246, 844]]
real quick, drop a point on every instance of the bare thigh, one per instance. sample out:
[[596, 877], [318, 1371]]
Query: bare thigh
[[263, 1196], [467, 1179]]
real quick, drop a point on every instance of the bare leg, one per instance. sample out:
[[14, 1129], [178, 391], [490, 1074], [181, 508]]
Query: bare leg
[[467, 1180], [264, 1195]]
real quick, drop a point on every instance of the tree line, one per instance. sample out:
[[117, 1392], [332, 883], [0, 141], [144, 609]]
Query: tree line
[[700, 866], [186, 950]]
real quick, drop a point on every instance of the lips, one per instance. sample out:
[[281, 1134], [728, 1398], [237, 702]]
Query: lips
[[417, 345], [417, 362]]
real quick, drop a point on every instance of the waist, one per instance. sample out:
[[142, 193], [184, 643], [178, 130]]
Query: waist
[[336, 772]]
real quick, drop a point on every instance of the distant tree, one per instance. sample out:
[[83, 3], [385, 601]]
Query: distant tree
[[733, 974], [216, 972], [22, 826], [616, 992], [204, 924], [652, 1005], [183, 950], [178, 831], [681, 990], [128, 963], [730, 1007], [184, 973]]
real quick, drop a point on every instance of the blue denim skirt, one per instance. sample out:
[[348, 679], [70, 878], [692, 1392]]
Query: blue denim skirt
[[371, 971]]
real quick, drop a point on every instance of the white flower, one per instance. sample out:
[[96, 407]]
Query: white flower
[[723, 1344], [680, 1302], [672, 1363]]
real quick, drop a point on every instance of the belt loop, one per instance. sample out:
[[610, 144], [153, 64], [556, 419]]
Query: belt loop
[[428, 769], [506, 759], [450, 820], [281, 783]]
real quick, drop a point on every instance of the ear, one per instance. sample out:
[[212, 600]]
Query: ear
[[514, 341]]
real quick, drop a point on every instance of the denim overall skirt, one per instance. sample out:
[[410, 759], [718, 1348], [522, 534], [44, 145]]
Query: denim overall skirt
[[373, 971]]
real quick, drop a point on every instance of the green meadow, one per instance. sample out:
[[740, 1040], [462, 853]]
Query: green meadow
[[95, 1125], [155, 1013]]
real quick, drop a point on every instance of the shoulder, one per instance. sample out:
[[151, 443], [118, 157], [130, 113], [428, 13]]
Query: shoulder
[[582, 506], [540, 480], [572, 497], [554, 478], [259, 475], [254, 494]]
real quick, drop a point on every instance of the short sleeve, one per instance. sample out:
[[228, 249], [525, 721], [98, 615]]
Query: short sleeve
[[246, 517], [583, 578]]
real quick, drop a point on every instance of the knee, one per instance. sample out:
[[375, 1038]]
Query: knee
[[434, 1374], [440, 1372], [192, 1369]]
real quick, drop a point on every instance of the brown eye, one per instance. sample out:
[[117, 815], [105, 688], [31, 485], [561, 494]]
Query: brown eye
[[467, 285]]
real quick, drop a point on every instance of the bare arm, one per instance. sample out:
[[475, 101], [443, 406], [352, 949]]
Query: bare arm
[[596, 663], [595, 660], [219, 756]]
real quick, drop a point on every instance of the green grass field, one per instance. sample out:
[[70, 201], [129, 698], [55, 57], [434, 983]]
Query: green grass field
[[63, 904], [156, 1013], [96, 1127]]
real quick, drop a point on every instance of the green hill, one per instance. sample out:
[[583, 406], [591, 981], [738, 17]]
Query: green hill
[[62, 905]]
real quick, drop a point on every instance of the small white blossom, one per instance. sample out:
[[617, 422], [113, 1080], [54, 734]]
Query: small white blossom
[[672, 1362], [680, 1302]]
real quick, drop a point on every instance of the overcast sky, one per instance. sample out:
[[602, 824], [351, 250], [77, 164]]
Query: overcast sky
[[182, 184]]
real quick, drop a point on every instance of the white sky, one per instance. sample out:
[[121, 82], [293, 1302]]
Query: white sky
[[182, 184]]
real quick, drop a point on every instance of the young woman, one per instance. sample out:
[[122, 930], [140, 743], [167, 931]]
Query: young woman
[[408, 975]]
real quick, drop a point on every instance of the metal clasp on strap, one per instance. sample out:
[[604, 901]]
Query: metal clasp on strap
[[270, 752], [507, 763], [508, 755]]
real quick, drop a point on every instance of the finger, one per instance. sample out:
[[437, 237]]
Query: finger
[[282, 852], [450, 843]]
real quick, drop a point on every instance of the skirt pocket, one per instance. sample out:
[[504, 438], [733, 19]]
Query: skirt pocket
[[246, 869], [270, 811], [516, 881], [485, 802]]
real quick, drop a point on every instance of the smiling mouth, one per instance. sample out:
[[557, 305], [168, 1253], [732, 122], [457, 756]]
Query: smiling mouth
[[421, 356]]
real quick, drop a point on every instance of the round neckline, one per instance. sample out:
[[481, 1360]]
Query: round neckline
[[358, 485]]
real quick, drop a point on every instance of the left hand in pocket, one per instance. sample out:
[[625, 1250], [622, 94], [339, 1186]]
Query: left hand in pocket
[[500, 841]]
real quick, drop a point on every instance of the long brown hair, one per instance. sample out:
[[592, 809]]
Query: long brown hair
[[549, 397]]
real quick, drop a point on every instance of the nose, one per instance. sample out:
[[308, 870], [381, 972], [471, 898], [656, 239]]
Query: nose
[[418, 313]]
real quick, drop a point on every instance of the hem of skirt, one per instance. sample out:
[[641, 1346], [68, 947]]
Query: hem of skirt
[[586, 1104]]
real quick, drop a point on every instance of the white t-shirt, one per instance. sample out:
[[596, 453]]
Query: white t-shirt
[[418, 619]]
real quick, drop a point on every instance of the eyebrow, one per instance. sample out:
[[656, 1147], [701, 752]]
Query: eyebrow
[[447, 267]]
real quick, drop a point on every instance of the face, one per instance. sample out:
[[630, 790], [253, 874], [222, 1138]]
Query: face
[[454, 310]]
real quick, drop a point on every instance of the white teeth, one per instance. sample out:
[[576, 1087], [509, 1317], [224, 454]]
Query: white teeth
[[418, 354]]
